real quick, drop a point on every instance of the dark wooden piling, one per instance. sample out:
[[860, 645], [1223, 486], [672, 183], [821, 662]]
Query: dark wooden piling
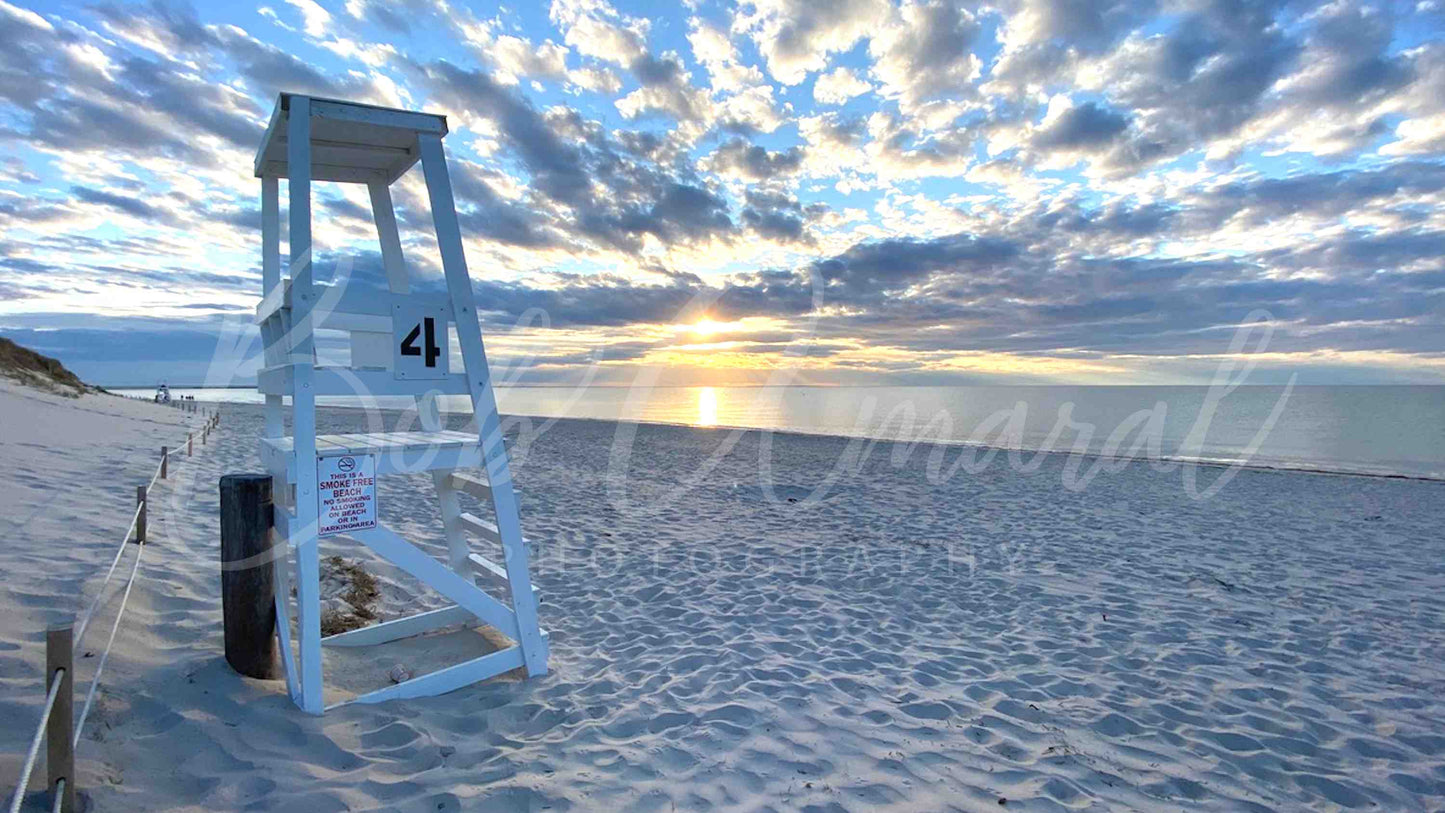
[[248, 589]]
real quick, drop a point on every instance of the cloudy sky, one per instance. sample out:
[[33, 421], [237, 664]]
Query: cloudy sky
[[847, 191]]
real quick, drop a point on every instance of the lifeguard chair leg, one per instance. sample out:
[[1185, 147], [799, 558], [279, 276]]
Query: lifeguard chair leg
[[303, 401], [484, 403]]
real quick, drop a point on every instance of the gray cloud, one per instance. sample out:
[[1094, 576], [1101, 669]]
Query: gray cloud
[[1347, 61], [556, 167], [929, 52], [1202, 81], [120, 203], [648, 187], [774, 214], [739, 158], [484, 213], [1086, 126]]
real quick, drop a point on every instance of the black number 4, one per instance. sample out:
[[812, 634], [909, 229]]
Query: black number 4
[[409, 348]]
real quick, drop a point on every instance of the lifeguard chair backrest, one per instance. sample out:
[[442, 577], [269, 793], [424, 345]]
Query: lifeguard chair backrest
[[375, 146], [408, 334]]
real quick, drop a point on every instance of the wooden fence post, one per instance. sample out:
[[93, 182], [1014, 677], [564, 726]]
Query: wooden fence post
[[248, 589], [59, 756], [140, 522], [165, 458], [188, 444]]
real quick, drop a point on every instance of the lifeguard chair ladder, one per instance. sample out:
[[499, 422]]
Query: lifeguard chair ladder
[[326, 140]]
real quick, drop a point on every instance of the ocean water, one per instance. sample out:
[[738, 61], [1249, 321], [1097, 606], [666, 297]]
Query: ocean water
[[1381, 430]]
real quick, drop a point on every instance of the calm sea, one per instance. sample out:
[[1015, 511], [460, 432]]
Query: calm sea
[[1394, 430]]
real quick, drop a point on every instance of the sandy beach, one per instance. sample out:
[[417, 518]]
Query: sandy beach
[[871, 640]]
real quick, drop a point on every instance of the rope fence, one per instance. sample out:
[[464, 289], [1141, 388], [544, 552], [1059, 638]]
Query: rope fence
[[61, 643], [55, 680]]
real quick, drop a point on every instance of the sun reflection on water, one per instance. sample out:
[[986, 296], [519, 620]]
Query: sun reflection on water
[[707, 407]]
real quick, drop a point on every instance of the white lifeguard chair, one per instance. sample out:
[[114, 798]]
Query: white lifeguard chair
[[399, 346]]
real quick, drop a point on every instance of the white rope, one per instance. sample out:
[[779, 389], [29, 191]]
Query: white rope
[[84, 624], [55, 681], [100, 666], [156, 476], [90, 612], [120, 551]]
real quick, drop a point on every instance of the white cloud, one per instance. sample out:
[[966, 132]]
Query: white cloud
[[754, 108], [680, 101], [597, 30], [315, 19], [25, 16], [515, 57], [833, 144], [598, 80], [606, 41], [373, 54], [838, 86], [796, 36], [1418, 136], [926, 52], [716, 52]]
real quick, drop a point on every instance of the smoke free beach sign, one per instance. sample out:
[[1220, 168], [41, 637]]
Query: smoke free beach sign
[[346, 493]]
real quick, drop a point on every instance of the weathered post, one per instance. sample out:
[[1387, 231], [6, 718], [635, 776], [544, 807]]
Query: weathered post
[[188, 444], [140, 521], [248, 591], [165, 458], [59, 756]]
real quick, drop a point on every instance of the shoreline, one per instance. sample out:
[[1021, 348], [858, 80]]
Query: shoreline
[[1171, 461]]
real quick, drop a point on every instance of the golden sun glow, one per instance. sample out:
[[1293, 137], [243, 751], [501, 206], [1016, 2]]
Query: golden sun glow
[[707, 407], [706, 327]]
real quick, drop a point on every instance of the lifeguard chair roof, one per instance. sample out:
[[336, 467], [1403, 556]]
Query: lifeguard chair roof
[[350, 142]]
